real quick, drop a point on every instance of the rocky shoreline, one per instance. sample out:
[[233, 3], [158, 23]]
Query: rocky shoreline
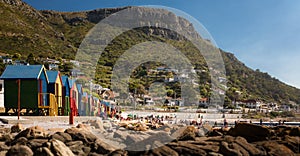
[[96, 137]]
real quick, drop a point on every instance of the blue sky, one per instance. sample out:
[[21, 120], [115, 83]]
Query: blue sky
[[264, 34]]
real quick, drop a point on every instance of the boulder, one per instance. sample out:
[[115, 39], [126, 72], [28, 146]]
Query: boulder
[[6, 137], [101, 147], [292, 142], [36, 143], [84, 126], [163, 151], [274, 148], [200, 132], [215, 132], [4, 130], [226, 150], [59, 148], [98, 124], [251, 132], [87, 137], [118, 153], [20, 150], [120, 134], [185, 133], [133, 139], [33, 132], [295, 131], [76, 147], [141, 127], [43, 151], [251, 149], [61, 136], [20, 141], [187, 149], [156, 140], [16, 128], [3, 146]]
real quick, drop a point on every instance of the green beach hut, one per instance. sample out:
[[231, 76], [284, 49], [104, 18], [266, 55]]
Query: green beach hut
[[33, 88]]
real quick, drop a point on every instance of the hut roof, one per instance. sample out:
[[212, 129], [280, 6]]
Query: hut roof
[[64, 80], [71, 82], [79, 87], [23, 72], [52, 75]]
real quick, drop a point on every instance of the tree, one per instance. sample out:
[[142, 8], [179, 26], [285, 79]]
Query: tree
[[16, 56], [31, 59]]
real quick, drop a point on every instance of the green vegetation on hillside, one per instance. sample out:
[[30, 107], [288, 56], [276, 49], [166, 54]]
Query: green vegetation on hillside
[[26, 31]]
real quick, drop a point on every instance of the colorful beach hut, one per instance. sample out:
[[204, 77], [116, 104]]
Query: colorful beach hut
[[65, 95], [73, 97], [80, 104], [55, 87], [32, 81], [85, 103]]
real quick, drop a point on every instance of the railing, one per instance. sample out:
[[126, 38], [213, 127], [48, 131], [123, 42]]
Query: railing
[[47, 101]]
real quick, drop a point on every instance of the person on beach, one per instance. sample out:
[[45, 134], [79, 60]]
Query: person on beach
[[260, 121]]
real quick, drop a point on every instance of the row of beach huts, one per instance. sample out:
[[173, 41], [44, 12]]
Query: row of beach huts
[[38, 91]]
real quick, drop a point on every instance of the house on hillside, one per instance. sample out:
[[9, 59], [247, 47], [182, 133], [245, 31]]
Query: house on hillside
[[7, 60], [252, 103], [55, 87], [107, 94], [33, 87]]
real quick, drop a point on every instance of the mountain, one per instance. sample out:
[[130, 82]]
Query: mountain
[[53, 34]]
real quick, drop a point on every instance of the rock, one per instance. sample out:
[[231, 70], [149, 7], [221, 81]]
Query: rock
[[16, 128], [120, 134], [251, 149], [156, 140], [3, 146], [163, 151], [214, 154], [6, 137], [4, 130], [133, 139], [215, 132], [43, 151], [292, 142], [118, 153], [33, 132], [206, 127], [101, 147], [20, 141], [36, 143], [81, 134], [20, 150], [98, 124], [141, 127], [107, 125], [59, 148], [200, 132], [274, 148], [295, 131], [76, 147], [84, 126], [187, 148], [225, 150], [185, 133], [250, 132], [61, 136], [3, 153]]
